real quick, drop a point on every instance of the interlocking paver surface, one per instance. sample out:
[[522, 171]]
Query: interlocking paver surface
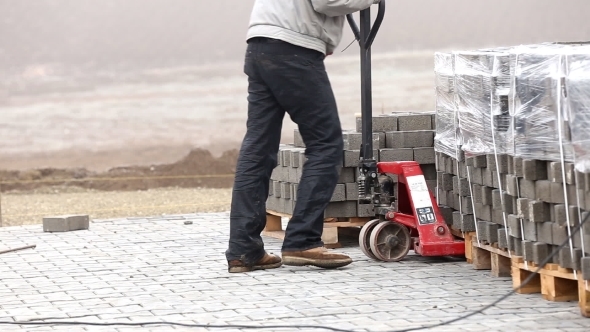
[[159, 269]]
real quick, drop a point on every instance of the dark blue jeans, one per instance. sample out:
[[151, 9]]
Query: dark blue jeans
[[284, 78]]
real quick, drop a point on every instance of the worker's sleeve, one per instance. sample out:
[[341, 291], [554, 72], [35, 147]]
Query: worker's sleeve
[[341, 7]]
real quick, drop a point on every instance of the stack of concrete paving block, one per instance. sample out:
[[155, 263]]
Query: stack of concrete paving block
[[525, 194], [396, 137]]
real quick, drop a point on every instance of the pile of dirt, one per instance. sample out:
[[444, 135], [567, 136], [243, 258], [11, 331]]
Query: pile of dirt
[[197, 169]]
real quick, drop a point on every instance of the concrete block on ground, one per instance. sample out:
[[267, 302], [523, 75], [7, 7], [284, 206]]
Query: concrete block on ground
[[545, 232], [534, 170], [396, 155], [353, 140], [412, 122], [351, 158], [540, 252], [409, 139], [339, 194], [514, 225], [341, 209], [543, 191], [66, 223], [570, 258], [530, 230], [424, 155], [381, 123], [539, 211]]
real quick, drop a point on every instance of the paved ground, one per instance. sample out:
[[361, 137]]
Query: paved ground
[[159, 269]]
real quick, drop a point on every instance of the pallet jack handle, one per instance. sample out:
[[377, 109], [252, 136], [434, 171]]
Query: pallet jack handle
[[365, 35]]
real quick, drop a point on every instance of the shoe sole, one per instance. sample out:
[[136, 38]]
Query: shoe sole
[[326, 264], [242, 269]]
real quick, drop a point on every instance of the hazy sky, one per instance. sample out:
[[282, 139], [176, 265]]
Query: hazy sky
[[196, 31]]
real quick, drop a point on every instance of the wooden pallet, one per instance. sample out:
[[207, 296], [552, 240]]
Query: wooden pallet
[[332, 227]]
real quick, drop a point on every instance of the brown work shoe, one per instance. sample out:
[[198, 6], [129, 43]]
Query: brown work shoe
[[269, 261], [319, 257]]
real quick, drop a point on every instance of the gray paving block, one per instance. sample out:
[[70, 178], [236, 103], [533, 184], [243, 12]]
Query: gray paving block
[[341, 209], [462, 170], [457, 220], [557, 193], [476, 175], [466, 205], [292, 175], [534, 169], [396, 155], [586, 268], [424, 155], [480, 161], [446, 181], [411, 122], [514, 225], [409, 139], [555, 172], [447, 214], [492, 232], [431, 184], [346, 175], [518, 247], [511, 185], [271, 188], [477, 193], [527, 188], [285, 190], [483, 212], [498, 217], [518, 170], [294, 188], [562, 218], [442, 197], [543, 191], [66, 223], [467, 223], [540, 252], [277, 189], [510, 161], [339, 194], [295, 157], [559, 235], [530, 230], [545, 232], [451, 200], [570, 174], [297, 139], [488, 177], [570, 258], [509, 203], [486, 195], [352, 191], [380, 123], [522, 207], [539, 211], [497, 200], [351, 158], [527, 250], [365, 210], [353, 140], [461, 186], [285, 157], [498, 163], [503, 238], [481, 230]]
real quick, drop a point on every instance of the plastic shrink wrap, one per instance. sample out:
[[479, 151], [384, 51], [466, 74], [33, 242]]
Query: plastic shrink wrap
[[577, 89], [447, 139]]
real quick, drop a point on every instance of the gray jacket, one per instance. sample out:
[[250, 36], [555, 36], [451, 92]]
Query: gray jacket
[[314, 24]]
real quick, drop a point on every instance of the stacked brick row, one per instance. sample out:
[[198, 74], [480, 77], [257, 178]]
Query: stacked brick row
[[511, 157], [396, 137]]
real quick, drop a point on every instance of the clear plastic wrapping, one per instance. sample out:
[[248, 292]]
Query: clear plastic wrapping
[[482, 81], [577, 87], [447, 129], [538, 103]]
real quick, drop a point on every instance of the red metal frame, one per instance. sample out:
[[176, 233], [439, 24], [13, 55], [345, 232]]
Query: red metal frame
[[431, 237]]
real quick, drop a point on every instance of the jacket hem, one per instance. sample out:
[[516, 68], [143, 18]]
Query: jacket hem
[[287, 36]]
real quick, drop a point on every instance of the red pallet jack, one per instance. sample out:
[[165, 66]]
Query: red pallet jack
[[407, 214]]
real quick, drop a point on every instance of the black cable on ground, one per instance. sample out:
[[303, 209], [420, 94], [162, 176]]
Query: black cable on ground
[[315, 327]]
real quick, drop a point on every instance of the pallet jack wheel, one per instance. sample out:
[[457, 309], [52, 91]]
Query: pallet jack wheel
[[365, 238], [390, 241]]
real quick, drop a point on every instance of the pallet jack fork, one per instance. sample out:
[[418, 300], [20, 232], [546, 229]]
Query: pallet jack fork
[[407, 214]]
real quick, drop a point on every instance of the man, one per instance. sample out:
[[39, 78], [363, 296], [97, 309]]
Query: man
[[288, 41]]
